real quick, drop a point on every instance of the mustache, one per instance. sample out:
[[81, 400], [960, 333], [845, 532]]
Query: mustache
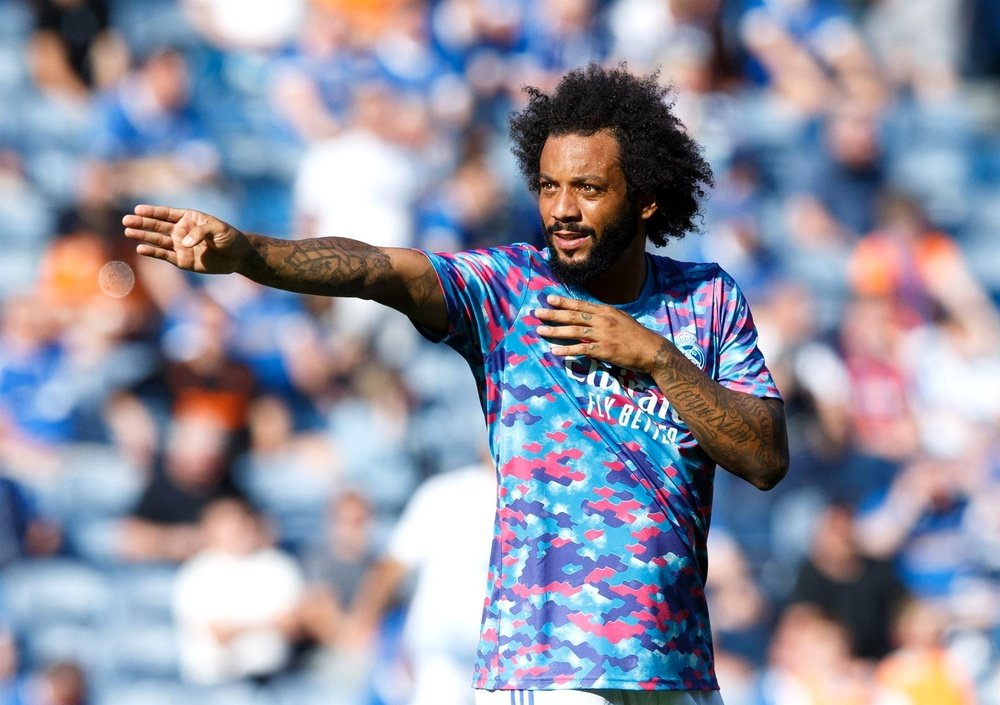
[[558, 225]]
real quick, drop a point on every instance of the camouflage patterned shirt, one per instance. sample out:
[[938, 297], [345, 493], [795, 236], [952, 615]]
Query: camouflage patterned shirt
[[598, 564]]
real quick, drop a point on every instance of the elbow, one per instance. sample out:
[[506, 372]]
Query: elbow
[[769, 481], [770, 474], [773, 462]]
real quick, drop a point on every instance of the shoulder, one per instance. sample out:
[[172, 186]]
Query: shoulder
[[511, 264], [518, 253]]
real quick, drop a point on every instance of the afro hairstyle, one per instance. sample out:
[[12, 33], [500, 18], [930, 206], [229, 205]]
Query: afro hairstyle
[[657, 155]]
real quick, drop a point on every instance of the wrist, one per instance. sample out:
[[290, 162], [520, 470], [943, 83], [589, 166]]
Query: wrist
[[661, 357], [245, 252]]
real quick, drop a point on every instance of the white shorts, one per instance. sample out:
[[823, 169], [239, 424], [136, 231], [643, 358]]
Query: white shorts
[[598, 697]]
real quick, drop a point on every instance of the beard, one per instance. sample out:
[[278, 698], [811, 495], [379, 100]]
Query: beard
[[604, 252]]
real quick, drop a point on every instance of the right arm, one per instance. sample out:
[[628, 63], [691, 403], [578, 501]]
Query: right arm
[[400, 278]]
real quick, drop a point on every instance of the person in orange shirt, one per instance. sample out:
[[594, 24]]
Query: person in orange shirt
[[910, 262], [921, 671]]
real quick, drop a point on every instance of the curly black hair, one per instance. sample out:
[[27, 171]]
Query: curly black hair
[[657, 154]]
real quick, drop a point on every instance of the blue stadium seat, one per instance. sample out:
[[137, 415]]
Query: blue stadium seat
[[55, 591]]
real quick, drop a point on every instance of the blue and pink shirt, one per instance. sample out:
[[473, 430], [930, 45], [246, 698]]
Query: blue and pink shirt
[[598, 564]]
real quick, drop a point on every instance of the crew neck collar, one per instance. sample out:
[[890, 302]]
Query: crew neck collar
[[633, 306]]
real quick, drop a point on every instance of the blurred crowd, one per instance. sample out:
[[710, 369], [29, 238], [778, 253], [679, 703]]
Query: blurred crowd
[[214, 492]]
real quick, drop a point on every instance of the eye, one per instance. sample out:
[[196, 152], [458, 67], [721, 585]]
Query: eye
[[588, 188], [546, 186]]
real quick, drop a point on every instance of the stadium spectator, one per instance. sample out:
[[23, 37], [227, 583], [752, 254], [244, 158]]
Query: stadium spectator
[[919, 267], [235, 599], [920, 50], [149, 138], [36, 413], [279, 339], [335, 568], [25, 531], [276, 447], [796, 43], [741, 613], [60, 683], [918, 522], [861, 593], [200, 371], [879, 408], [74, 48], [254, 25], [851, 169], [920, 670], [310, 88], [164, 524], [810, 663]]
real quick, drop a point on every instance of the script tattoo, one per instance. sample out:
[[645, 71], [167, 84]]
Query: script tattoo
[[738, 430]]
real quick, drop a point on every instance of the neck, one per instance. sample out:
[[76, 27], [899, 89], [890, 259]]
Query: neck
[[623, 281]]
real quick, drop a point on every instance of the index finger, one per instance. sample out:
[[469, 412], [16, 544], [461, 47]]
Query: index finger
[[569, 304], [171, 215]]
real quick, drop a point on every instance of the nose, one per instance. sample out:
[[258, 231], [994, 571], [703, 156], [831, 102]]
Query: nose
[[565, 207]]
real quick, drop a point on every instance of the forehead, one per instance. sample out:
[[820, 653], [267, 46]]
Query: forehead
[[575, 154]]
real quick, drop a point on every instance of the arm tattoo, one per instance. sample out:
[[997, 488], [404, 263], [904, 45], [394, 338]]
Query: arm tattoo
[[743, 433], [323, 266], [346, 258], [424, 288]]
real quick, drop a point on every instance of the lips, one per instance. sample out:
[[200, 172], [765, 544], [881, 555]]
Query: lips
[[569, 241]]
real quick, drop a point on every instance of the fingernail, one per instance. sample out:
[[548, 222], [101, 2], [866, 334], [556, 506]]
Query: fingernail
[[553, 299], [188, 241]]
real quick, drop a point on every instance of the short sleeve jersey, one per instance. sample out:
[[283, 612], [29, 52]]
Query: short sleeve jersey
[[598, 565]]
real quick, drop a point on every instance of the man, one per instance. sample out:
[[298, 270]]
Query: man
[[234, 601], [612, 382]]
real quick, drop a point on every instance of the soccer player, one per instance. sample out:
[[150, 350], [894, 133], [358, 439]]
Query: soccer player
[[613, 382]]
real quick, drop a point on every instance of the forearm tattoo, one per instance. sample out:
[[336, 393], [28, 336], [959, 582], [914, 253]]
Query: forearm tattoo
[[743, 433], [322, 266]]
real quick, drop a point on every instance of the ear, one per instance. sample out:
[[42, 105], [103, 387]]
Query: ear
[[646, 203]]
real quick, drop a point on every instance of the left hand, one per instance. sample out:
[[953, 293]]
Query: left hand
[[598, 331]]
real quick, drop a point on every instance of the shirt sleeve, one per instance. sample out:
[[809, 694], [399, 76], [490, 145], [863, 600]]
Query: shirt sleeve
[[483, 290], [741, 362]]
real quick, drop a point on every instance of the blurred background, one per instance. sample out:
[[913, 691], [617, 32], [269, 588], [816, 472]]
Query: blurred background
[[213, 492]]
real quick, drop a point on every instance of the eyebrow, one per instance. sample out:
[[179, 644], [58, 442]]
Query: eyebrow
[[577, 179]]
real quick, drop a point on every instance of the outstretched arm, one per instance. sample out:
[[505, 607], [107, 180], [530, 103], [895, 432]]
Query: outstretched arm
[[331, 266], [744, 434]]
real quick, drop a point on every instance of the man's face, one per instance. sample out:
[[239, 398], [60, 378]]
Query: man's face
[[588, 218]]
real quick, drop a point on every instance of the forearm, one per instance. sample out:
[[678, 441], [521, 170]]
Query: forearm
[[744, 434], [329, 266], [379, 590], [335, 266]]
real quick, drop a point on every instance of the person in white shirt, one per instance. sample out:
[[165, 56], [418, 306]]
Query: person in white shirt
[[235, 601]]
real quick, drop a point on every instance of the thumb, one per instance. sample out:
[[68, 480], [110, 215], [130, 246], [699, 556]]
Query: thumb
[[189, 233]]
